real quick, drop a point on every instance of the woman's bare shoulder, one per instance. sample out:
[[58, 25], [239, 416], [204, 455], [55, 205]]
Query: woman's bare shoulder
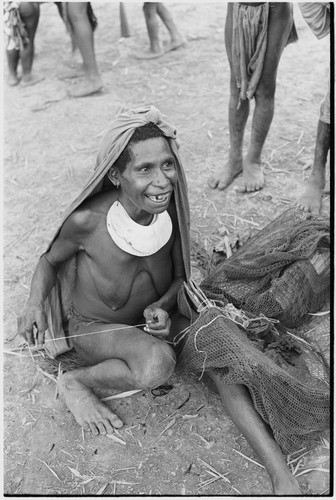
[[88, 214]]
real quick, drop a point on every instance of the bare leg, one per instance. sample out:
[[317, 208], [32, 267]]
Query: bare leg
[[121, 360], [310, 199], [83, 38], [30, 14], [239, 406], [279, 27], [237, 121], [153, 29], [13, 57], [176, 39], [75, 59]]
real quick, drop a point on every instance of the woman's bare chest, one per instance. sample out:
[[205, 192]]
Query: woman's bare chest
[[120, 278]]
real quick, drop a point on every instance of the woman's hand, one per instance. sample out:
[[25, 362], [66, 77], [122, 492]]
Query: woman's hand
[[158, 321], [33, 317]]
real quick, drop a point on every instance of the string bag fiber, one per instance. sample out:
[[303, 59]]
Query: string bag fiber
[[250, 324]]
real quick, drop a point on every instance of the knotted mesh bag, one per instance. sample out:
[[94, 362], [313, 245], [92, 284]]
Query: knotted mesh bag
[[283, 271], [240, 317]]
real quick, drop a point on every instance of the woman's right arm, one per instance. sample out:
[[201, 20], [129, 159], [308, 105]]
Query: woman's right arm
[[68, 242]]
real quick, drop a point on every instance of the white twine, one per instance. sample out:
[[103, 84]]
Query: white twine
[[91, 333], [99, 331]]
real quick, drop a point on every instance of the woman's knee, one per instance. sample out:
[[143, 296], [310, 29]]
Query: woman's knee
[[149, 9], [157, 367]]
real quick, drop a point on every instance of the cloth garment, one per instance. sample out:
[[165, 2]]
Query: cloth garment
[[249, 43], [14, 28], [134, 238], [317, 16], [58, 303]]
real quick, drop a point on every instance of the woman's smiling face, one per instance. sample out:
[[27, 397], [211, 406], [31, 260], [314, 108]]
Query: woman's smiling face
[[147, 183]]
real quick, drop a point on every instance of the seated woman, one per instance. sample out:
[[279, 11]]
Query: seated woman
[[116, 264]]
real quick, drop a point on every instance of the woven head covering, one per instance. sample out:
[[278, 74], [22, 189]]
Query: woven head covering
[[113, 143]]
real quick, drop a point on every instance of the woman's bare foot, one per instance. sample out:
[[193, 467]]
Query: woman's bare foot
[[253, 177], [86, 88], [224, 178], [31, 79], [310, 199], [89, 412], [13, 80]]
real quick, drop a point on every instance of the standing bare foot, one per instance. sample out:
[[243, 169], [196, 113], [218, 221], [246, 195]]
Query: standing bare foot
[[73, 72], [150, 54], [253, 177], [310, 199], [224, 178], [86, 88], [176, 43], [13, 79], [89, 412], [31, 79]]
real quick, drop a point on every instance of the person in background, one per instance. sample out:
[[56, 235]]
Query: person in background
[[20, 25], [255, 37], [317, 16], [154, 11], [81, 24]]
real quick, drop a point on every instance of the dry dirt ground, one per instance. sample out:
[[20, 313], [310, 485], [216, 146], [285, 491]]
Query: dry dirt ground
[[51, 143]]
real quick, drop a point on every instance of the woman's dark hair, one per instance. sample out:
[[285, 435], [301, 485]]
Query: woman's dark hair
[[148, 131]]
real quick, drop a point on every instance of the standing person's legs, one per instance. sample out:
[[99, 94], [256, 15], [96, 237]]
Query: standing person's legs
[[310, 200], [237, 119], [279, 27], [83, 37], [13, 57], [176, 39], [239, 406], [30, 14], [153, 29]]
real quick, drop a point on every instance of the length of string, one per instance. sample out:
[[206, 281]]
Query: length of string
[[92, 333]]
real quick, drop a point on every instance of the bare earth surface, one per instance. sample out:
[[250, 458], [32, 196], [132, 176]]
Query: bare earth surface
[[51, 143]]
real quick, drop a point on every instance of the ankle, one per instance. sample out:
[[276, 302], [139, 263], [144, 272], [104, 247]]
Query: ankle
[[252, 159], [235, 157], [317, 179]]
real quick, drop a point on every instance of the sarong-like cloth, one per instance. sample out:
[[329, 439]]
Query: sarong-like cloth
[[249, 44], [59, 303], [14, 28]]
